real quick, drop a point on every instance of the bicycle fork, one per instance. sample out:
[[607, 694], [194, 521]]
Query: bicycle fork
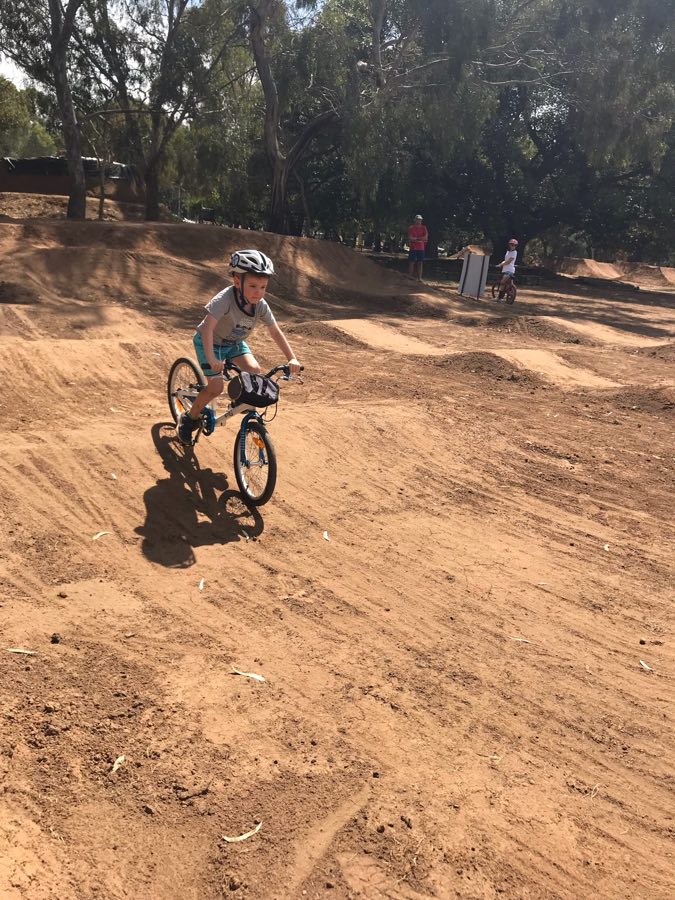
[[257, 439]]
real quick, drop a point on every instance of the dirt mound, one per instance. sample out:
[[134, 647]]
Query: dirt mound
[[48, 206], [656, 277], [652, 400], [589, 267], [660, 351], [649, 276], [538, 327], [324, 332], [470, 248], [146, 262], [11, 292], [485, 364]]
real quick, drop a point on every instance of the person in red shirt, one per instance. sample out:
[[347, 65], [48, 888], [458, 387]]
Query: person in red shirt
[[417, 239]]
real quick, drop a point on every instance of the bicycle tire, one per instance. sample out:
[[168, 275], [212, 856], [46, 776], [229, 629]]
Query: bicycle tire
[[511, 293], [184, 374], [256, 481], [495, 287]]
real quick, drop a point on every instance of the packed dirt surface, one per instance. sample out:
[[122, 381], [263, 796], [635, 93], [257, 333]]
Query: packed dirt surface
[[460, 596]]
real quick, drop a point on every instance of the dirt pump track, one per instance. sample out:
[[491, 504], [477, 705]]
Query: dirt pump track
[[460, 596]]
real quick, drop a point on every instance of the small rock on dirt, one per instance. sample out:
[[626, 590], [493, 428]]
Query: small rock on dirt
[[56, 638]]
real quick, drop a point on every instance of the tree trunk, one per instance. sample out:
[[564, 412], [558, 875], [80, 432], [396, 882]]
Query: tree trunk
[[498, 242], [152, 173], [306, 226], [282, 165], [278, 217], [61, 31], [77, 200], [431, 248], [101, 187]]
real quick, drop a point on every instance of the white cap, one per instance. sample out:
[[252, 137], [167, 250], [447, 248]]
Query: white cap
[[418, 217]]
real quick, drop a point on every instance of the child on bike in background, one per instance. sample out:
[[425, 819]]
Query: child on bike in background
[[230, 317], [508, 267]]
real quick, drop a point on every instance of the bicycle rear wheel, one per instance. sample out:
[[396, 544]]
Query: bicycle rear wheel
[[511, 293], [255, 463], [185, 382]]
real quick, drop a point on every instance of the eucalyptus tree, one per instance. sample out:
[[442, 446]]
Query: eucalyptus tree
[[517, 117], [301, 70], [36, 35], [217, 160], [21, 131], [156, 60], [577, 151]]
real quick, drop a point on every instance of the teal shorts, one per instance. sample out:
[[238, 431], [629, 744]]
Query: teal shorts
[[221, 351]]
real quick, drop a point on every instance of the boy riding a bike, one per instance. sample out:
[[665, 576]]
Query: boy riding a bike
[[508, 267], [230, 317]]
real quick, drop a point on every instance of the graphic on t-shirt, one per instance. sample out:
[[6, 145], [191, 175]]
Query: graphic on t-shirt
[[233, 323]]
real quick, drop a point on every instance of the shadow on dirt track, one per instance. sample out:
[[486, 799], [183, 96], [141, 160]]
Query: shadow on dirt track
[[193, 507]]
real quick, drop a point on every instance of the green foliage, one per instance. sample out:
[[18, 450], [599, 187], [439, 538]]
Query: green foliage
[[20, 133]]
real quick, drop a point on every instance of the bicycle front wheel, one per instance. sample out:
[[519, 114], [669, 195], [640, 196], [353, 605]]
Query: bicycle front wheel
[[255, 463], [185, 382], [495, 287]]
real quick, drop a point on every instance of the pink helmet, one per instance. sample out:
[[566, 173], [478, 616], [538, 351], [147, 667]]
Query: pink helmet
[[514, 242]]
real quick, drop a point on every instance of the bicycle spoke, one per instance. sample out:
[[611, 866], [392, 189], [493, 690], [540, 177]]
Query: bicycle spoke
[[184, 387], [257, 471]]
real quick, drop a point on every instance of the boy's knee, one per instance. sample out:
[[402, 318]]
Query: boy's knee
[[215, 387]]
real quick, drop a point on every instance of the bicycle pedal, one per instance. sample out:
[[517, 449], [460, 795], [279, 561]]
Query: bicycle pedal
[[208, 421]]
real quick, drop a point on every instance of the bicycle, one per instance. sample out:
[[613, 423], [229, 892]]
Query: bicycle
[[508, 292], [255, 460]]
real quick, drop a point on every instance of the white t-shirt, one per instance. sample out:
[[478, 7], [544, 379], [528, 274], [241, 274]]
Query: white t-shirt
[[510, 259], [233, 323]]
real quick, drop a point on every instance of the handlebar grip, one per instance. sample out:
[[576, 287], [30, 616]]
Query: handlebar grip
[[230, 366]]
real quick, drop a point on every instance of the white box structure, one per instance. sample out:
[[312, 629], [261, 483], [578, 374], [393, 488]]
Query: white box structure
[[474, 275]]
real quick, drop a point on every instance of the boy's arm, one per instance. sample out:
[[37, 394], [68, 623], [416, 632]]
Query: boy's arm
[[207, 339], [279, 339], [425, 236]]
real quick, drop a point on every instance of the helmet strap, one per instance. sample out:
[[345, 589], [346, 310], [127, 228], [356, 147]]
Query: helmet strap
[[242, 302]]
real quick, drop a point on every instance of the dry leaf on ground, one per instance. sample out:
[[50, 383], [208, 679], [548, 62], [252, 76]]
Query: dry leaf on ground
[[247, 674], [243, 837]]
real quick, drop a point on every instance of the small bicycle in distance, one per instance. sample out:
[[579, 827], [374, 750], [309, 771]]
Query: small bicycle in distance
[[255, 461], [506, 292]]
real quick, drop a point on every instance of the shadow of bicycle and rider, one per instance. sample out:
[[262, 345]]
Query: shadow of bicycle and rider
[[192, 507]]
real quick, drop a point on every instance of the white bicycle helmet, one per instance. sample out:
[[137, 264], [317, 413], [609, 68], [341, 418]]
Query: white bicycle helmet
[[252, 261]]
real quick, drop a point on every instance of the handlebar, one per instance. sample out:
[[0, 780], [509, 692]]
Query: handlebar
[[284, 367]]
